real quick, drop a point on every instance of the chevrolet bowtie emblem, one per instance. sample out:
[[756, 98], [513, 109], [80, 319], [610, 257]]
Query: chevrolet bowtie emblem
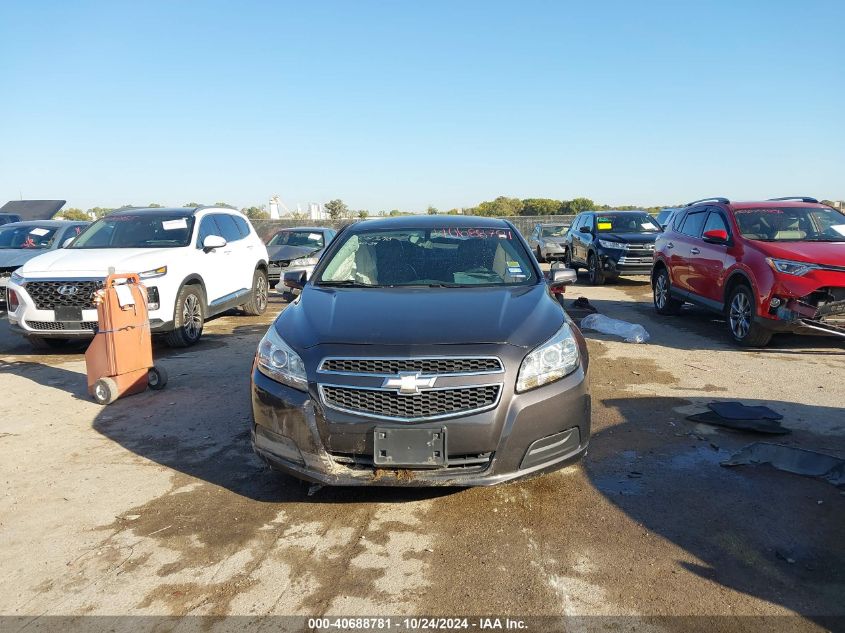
[[409, 383]]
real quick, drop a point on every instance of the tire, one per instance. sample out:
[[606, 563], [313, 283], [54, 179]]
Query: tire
[[105, 391], [157, 378], [189, 317], [46, 344], [257, 305], [567, 260], [539, 256], [596, 276], [664, 302], [740, 312]]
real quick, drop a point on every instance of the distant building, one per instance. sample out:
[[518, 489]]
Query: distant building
[[316, 211]]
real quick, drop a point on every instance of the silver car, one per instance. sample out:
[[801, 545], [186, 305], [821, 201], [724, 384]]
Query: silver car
[[22, 241], [548, 241]]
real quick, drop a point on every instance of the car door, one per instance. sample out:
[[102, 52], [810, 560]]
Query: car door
[[212, 265], [240, 265], [706, 262], [584, 240], [680, 244]]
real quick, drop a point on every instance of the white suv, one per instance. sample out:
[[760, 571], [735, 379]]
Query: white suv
[[195, 262]]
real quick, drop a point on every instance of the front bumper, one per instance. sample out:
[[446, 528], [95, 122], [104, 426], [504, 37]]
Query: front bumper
[[28, 320], [621, 264], [535, 432]]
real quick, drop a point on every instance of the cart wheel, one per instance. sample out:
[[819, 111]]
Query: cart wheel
[[157, 377], [105, 391]]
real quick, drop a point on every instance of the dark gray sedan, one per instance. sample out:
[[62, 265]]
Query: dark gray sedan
[[423, 351], [296, 249]]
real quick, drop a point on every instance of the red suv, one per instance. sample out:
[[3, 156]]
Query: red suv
[[772, 266]]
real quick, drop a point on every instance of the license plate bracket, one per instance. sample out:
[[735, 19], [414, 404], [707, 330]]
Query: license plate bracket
[[402, 447], [68, 313]]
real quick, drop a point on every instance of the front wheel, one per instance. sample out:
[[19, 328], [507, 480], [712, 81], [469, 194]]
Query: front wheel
[[664, 302], [539, 255], [596, 276], [189, 318], [257, 305], [567, 259], [105, 391], [741, 323]]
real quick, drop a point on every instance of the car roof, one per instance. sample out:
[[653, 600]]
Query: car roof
[[552, 223], [761, 204], [433, 222], [185, 211], [631, 211], [46, 223]]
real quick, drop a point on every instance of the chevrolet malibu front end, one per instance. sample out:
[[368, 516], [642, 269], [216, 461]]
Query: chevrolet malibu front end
[[424, 351]]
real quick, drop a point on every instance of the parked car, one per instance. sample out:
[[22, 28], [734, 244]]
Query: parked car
[[296, 249], [21, 241], [665, 217], [195, 262], [424, 350], [8, 218], [548, 241], [769, 266], [610, 244]]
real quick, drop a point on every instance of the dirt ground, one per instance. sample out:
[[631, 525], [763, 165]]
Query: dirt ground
[[156, 504]]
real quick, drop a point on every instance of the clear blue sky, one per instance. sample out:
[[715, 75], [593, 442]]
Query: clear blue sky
[[408, 103]]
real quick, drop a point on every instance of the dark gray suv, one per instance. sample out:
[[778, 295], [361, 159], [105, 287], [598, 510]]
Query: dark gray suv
[[423, 351]]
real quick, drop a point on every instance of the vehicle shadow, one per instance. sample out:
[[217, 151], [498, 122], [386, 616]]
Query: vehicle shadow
[[765, 533]]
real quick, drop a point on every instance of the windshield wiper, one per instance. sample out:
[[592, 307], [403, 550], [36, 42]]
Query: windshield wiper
[[346, 283]]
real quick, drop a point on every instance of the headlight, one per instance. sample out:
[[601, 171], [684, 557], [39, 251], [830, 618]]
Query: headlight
[[554, 359], [278, 361], [304, 261], [155, 272], [620, 246], [18, 279], [790, 267]]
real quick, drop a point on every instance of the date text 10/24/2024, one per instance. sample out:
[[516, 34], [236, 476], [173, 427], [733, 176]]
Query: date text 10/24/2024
[[416, 624]]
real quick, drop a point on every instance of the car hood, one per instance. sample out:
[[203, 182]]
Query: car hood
[[18, 256], [287, 253], [631, 238], [825, 253], [523, 316], [95, 262]]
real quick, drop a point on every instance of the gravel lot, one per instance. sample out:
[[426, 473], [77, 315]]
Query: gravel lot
[[156, 504]]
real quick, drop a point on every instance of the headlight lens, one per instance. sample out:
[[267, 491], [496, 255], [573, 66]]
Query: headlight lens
[[789, 267], [304, 261], [18, 279], [155, 272], [620, 246], [554, 359], [278, 361]]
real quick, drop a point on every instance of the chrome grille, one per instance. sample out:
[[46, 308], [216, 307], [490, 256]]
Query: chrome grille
[[62, 325], [427, 366], [46, 294], [627, 259], [426, 404]]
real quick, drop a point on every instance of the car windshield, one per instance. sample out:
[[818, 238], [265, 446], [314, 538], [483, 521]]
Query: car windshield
[[27, 237], [626, 223], [791, 224], [141, 230], [437, 257], [312, 239], [555, 231]]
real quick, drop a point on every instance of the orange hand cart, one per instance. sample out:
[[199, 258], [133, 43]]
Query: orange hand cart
[[119, 361]]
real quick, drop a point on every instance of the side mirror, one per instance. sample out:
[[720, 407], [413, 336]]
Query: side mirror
[[561, 277], [295, 279], [211, 242], [67, 242], [716, 236], [585, 229]]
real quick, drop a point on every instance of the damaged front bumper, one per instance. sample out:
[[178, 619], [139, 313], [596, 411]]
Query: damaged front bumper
[[821, 311], [541, 431]]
